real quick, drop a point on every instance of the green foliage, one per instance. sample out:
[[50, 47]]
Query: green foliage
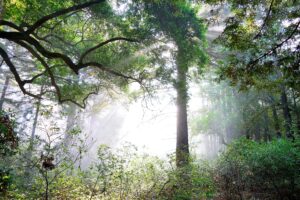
[[193, 181], [8, 138], [5, 180], [72, 35], [127, 173], [28, 11], [8, 148], [269, 169], [245, 168], [178, 20], [260, 40]]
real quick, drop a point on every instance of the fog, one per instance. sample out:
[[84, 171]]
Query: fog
[[150, 126]]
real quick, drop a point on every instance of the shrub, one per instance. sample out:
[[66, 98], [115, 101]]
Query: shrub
[[265, 170], [193, 181], [8, 146], [128, 174], [8, 138]]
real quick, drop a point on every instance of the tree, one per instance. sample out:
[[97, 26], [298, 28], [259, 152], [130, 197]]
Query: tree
[[42, 36], [260, 38], [177, 21]]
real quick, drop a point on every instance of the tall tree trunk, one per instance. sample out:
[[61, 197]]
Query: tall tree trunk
[[72, 111], [267, 135], [224, 125], [4, 91], [286, 114], [257, 134], [225, 108], [31, 142], [276, 120], [297, 113], [37, 111], [182, 143], [246, 128]]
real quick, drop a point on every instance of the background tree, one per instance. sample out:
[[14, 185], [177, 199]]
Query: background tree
[[176, 22], [260, 38]]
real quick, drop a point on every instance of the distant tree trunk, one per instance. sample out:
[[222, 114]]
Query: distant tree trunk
[[4, 91], [72, 111], [228, 109], [267, 136], [297, 113], [246, 131], [182, 143], [286, 114], [257, 135], [31, 142], [247, 134], [36, 115], [276, 121]]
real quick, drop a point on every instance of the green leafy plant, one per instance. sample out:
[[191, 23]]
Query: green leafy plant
[[269, 170]]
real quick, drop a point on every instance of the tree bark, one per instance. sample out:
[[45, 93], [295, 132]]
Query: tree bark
[[4, 91], [182, 143]]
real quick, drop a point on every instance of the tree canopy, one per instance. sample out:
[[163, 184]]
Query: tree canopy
[[63, 40], [262, 38]]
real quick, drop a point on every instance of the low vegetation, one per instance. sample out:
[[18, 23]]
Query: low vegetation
[[246, 170]]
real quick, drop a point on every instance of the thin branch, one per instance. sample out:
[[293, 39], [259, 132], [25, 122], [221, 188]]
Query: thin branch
[[34, 77], [104, 43], [84, 102], [100, 66], [16, 74], [46, 18], [59, 21], [265, 21], [253, 63], [57, 37]]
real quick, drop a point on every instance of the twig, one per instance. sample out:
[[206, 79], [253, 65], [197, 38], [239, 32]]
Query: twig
[[253, 63], [265, 21]]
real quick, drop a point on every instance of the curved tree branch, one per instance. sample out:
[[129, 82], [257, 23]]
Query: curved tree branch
[[265, 21], [14, 71], [10, 24], [103, 68], [254, 62], [44, 63], [104, 43], [46, 18]]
